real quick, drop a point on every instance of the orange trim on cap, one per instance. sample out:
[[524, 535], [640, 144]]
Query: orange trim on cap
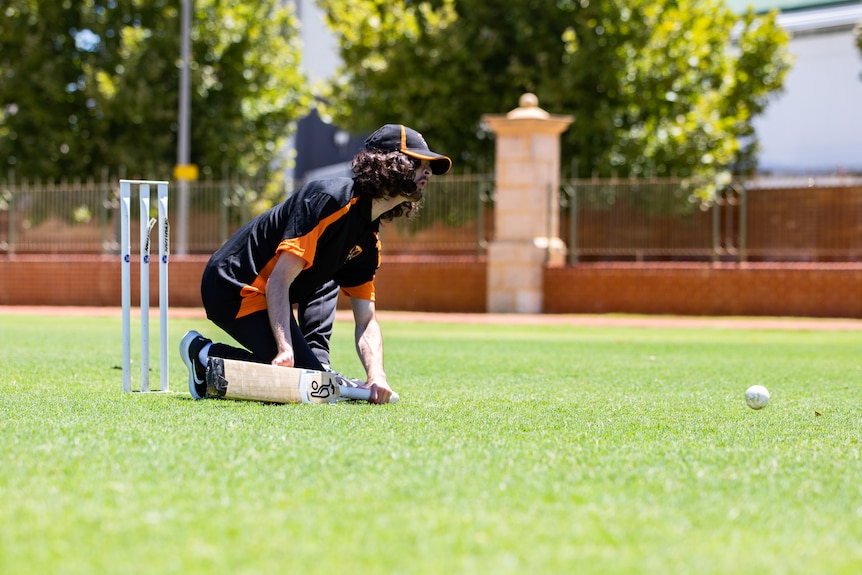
[[432, 159], [419, 156], [403, 138]]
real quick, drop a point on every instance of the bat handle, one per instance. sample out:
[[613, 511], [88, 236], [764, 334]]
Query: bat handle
[[363, 394]]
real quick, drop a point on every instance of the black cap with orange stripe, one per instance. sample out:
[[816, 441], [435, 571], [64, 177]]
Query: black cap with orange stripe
[[399, 138]]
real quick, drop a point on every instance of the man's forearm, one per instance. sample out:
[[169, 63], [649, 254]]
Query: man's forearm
[[369, 340], [278, 309], [369, 347], [278, 305]]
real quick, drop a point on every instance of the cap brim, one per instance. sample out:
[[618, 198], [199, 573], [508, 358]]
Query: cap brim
[[440, 164]]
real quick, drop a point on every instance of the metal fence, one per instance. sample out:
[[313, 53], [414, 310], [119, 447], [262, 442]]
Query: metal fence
[[636, 220], [83, 217], [747, 220], [821, 223], [456, 217]]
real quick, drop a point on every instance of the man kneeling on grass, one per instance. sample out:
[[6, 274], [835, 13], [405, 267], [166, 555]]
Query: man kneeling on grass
[[323, 238]]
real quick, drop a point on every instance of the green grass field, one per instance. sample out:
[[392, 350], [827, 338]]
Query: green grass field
[[513, 450]]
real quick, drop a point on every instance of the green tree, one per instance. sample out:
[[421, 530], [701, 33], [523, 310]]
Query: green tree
[[656, 86], [94, 83]]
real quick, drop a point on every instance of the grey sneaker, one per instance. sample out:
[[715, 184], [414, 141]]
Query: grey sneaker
[[346, 381], [190, 347]]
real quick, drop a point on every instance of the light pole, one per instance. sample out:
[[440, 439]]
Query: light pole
[[183, 172]]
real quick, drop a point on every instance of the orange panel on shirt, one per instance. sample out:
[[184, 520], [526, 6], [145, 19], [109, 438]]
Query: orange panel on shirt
[[364, 291], [305, 247]]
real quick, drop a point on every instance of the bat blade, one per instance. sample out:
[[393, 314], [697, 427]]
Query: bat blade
[[242, 380]]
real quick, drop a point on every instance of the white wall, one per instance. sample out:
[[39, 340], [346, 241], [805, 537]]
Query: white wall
[[320, 50], [816, 124]]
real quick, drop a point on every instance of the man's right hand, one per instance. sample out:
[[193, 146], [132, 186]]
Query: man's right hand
[[284, 358], [379, 393]]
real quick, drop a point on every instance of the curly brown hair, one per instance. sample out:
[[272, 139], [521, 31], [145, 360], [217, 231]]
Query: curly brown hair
[[387, 174]]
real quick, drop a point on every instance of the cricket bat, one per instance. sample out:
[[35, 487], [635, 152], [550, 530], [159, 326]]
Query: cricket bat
[[233, 379]]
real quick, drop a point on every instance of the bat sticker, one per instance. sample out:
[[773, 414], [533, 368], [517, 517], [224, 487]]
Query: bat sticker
[[321, 390]]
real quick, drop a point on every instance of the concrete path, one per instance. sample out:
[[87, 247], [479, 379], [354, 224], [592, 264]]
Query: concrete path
[[814, 324]]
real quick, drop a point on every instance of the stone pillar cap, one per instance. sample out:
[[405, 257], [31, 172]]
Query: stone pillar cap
[[526, 118], [528, 108]]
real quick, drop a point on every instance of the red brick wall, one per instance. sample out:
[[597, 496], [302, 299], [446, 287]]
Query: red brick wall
[[77, 280], [436, 284], [458, 285], [802, 290]]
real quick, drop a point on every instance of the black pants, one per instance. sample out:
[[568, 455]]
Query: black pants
[[310, 335], [316, 316]]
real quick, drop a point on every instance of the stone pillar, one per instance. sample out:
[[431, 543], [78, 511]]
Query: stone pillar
[[526, 206]]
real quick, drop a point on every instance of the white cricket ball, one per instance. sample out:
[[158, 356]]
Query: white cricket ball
[[756, 397]]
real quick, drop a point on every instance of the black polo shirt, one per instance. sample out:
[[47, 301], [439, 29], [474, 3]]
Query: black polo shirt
[[323, 223]]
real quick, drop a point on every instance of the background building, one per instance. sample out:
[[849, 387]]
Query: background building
[[815, 126], [321, 149]]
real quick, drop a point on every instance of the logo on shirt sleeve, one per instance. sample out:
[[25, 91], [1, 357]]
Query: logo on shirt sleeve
[[354, 252]]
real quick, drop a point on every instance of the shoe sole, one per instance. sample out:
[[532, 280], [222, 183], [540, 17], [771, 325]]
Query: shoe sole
[[197, 389]]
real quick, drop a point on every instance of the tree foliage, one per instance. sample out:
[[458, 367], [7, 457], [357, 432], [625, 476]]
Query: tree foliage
[[656, 86], [88, 84]]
